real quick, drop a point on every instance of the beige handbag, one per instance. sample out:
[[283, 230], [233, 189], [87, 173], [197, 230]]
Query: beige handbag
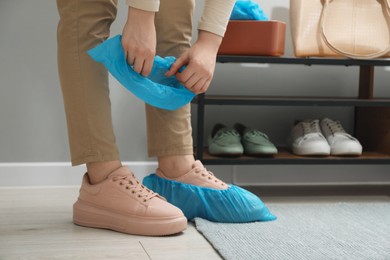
[[358, 29]]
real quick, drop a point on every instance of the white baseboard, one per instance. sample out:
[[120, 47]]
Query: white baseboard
[[56, 173], [63, 174]]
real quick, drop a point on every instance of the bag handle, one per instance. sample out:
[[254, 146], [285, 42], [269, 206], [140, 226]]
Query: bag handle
[[324, 14]]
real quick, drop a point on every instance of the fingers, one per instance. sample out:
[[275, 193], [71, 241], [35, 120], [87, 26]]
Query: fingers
[[197, 84], [180, 62], [138, 65], [196, 76], [139, 40], [148, 65], [201, 86], [141, 63], [130, 59]]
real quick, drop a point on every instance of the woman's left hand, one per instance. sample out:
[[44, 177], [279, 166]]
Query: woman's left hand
[[200, 62]]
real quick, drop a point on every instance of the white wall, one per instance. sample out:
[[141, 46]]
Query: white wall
[[32, 121]]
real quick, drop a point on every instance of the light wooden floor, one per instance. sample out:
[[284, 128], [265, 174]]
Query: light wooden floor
[[36, 223]]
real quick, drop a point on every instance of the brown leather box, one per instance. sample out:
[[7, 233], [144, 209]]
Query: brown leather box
[[259, 38]]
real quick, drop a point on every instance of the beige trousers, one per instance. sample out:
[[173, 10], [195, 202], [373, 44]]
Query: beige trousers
[[84, 82]]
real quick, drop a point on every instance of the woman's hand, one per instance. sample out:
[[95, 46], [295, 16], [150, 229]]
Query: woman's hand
[[200, 62], [139, 40]]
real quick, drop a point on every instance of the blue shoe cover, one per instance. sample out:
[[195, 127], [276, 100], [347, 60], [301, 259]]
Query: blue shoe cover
[[156, 89], [233, 205], [248, 10]]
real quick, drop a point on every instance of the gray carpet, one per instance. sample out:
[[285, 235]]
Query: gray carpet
[[351, 231]]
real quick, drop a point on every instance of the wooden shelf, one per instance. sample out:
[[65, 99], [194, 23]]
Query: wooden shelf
[[292, 101], [302, 61], [286, 157]]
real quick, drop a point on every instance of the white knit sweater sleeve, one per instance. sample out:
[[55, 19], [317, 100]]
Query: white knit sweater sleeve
[[216, 14], [146, 5]]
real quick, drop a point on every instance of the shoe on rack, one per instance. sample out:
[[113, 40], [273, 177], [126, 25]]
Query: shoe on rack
[[341, 143], [306, 139], [198, 193], [224, 141], [123, 204], [254, 141]]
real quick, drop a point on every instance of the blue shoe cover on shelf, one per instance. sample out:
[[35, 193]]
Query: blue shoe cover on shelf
[[233, 205], [156, 89], [248, 10]]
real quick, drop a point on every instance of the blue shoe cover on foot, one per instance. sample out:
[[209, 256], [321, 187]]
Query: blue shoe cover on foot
[[156, 89], [233, 205]]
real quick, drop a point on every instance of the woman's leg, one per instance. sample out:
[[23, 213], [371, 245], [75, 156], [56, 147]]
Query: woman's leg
[[170, 132], [83, 25], [116, 200]]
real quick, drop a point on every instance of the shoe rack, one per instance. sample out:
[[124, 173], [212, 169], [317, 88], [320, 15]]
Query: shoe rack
[[372, 115]]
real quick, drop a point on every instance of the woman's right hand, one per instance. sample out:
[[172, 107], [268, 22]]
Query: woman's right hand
[[139, 40]]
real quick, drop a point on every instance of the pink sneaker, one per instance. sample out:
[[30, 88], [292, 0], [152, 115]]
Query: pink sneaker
[[123, 204]]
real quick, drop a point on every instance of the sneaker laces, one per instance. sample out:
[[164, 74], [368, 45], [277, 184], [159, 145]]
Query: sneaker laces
[[209, 175], [335, 127], [132, 184], [312, 127]]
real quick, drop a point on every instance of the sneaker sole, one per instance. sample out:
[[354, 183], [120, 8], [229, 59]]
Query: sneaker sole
[[224, 151], [315, 151], [261, 153], [91, 216], [347, 151], [226, 154]]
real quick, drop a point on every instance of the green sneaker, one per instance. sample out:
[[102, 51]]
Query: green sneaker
[[225, 141], [254, 141]]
